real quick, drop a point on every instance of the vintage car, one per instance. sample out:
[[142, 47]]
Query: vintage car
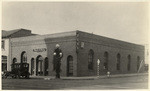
[[18, 70]]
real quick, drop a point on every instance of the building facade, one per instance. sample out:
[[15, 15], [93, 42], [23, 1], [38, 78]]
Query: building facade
[[81, 51]]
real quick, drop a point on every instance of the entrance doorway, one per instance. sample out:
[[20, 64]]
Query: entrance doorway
[[69, 65], [46, 67]]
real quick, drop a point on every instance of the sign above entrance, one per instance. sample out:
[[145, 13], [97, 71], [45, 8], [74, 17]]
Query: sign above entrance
[[39, 50]]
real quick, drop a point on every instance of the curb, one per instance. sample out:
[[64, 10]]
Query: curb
[[89, 78]]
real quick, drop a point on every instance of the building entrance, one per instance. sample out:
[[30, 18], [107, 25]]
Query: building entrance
[[46, 66]]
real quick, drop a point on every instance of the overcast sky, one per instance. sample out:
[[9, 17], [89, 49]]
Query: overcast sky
[[123, 21]]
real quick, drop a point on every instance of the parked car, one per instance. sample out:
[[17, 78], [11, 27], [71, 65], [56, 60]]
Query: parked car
[[18, 70]]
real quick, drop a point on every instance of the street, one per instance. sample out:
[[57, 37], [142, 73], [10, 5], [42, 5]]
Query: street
[[132, 82]]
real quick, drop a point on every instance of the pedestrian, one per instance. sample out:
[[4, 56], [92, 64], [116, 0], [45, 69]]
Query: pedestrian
[[57, 56]]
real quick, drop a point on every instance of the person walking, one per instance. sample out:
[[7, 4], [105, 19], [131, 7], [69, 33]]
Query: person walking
[[57, 56]]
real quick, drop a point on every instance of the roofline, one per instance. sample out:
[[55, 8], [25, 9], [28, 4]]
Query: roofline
[[20, 29], [110, 38], [46, 34], [77, 32]]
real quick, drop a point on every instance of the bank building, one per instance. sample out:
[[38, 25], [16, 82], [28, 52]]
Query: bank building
[[81, 51]]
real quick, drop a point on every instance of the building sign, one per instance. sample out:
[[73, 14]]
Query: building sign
[[39, 50], [82, 44]]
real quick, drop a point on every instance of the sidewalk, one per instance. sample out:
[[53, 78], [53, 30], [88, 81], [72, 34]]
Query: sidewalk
[[88, 77]]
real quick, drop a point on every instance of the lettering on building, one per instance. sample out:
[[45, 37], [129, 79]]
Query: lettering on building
[[39, 50]]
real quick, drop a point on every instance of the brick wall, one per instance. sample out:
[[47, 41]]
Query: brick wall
[[68, 43], [100, 45]]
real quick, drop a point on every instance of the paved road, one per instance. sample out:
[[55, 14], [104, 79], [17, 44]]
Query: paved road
[[134, 82]]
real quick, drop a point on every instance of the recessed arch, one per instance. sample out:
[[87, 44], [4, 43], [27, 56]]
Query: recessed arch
[[23, 57], [70, 65], [32, 66], [46, 65], [39, 65], [14, 60], [106, 59], [129, 62], [90, 59], [118, 61]]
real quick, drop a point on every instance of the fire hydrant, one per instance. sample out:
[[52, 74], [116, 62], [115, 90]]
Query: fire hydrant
[[108, 74]]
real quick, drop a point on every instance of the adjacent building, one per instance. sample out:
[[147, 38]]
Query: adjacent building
[[6, 45], [146, 57], [81, 51]]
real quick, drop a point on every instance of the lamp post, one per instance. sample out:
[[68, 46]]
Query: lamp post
[[57, 60]]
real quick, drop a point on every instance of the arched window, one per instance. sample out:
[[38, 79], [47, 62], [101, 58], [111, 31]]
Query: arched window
[[118, 61], [23, 57], [14, 60], [129, 63], [46, 66], [39, 65], [69, 65], [105, 60], [90, 59], [138, 63], [32, 66]]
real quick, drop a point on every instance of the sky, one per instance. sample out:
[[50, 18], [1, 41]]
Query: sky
[[123, 21]]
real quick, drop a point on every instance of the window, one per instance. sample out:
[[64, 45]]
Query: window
[[90, 59], [118, 61], [32, 66], [105, 65], [3, 44], [129, 62], [138, 63], [4, 63], [69, 65], [82, 44], [4, 66], [4, 59], [14, 60], [24, 57], [39, 65]]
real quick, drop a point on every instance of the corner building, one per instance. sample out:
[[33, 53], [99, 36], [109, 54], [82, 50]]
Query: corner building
[[81, 51]]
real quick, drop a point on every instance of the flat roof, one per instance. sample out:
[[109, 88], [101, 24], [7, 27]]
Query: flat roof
[[73, 33], [38, 37]]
